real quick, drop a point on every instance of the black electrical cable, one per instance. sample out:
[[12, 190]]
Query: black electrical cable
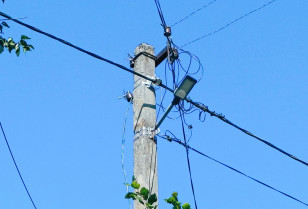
[[188, 162], [233, 169], [84, 51], [20, 176], [230, 23], [223, 118], [160, 12], [194, 12]]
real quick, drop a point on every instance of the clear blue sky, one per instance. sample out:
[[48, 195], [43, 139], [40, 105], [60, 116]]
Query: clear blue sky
[[61, 114]]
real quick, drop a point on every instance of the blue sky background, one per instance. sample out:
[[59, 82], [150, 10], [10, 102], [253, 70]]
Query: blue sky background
[[63, 118]]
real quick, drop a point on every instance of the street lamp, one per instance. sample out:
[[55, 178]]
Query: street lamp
[[180, 93]]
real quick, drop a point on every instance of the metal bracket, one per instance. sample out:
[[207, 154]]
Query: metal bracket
[[146, 131], [148, 84], [133, 59]]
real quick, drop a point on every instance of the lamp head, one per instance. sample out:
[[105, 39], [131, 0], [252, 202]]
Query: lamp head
[[185, 87]]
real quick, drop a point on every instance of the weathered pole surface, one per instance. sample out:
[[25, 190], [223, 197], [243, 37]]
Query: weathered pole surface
[[145, 152]]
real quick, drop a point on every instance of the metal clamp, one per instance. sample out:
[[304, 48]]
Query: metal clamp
[[133, 59], [146, 131], [147, 83]]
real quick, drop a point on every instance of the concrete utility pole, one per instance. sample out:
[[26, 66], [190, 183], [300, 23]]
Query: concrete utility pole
[[145, 152]]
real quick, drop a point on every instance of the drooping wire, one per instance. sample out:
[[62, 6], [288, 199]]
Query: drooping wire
[[20, 18], [227, 166], [123, 150], [83, 50], [224, 119], [194, 12], [193, 58], [188, 161], [178, 72], [230, 23], [20, 176]]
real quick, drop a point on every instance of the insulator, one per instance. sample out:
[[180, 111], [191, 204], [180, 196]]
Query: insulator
[[129, 96], [175, 54], [167, 31], [132, 63]]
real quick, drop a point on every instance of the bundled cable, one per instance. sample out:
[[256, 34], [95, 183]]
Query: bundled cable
[[84, 51], [224, 119], [160, 12]]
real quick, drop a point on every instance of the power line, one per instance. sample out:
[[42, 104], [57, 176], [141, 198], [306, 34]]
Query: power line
[[194, 12], [230, 23], [223, 118], [187, 157], [84, 51], [233, 169], [155, 80], [160, 12], [23, 182]]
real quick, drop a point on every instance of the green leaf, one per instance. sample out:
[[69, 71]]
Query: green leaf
[[140, 200], [152, 199], [23, 43], [24, 37], [5, 24], [149, 206], [133, 178], [1, 48], [1, 44], [131, 195], [11, 46], [144, 192], [17, 50], [175, 195], [30, 46], [186, 206], [171, 200], [135, 185]]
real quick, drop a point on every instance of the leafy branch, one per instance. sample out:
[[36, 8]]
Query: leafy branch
[[173, 200], [10, 44], [148, 200], [142, 195]]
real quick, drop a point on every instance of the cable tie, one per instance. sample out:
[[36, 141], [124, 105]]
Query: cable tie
[[157, 82], [169, 138]]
